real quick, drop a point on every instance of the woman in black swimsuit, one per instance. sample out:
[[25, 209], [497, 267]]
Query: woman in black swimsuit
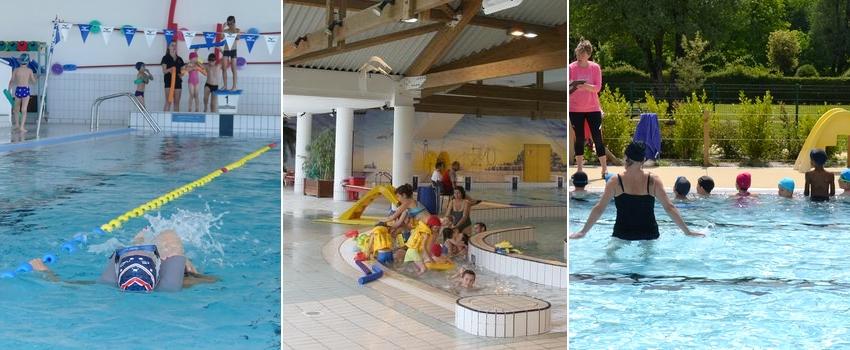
[[172, 60], [458, 212], [635, 192]]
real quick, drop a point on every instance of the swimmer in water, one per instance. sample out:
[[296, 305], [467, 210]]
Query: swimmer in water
[[786, 187], [704, 185], [579, 180], [634, 192], [820, 184], [161, 265], [742, 184], [681, 188], [844, 184], [464, 278]]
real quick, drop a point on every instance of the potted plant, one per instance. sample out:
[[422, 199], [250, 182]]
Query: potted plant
[[319, 166]]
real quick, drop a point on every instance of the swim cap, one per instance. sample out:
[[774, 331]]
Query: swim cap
[[579, 179], [845, 175], [787, 183], [608, 176], [743, 181], [706, 182], [193, 55], [433, 220], [139, 65], [682, 186], [636, 151], [818, 156], [24, 59]]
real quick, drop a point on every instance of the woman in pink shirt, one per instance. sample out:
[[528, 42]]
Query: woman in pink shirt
[[584, 104]]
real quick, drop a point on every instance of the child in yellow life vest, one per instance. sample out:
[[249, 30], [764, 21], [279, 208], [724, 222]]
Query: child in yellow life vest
[[420, 238], [380, 244]]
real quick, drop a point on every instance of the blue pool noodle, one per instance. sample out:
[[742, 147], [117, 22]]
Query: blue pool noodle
[[376, 274], [363, 267], [7, 274]]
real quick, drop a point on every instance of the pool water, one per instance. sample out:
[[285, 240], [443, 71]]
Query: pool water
[[549, 236], [772, 273], [524, 196], [230, 228]]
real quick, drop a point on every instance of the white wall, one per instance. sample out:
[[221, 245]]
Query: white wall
[[82, 86]]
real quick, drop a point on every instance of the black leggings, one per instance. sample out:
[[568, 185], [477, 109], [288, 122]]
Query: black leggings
[[595, 120]]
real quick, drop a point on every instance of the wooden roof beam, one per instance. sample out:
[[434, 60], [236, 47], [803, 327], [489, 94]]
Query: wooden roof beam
[[514, 66], [511, 93], [354, 24], [443, 41]]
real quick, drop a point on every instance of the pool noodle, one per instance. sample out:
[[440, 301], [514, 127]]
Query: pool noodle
[[372, 276], [9, 96], [173, 71]]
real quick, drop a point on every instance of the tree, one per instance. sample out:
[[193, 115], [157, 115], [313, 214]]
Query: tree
[[830, 35], [783, 50], [689, 69]]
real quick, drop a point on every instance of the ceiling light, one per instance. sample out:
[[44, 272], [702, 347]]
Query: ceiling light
[[516, 32], [410, 20], [530, 35]]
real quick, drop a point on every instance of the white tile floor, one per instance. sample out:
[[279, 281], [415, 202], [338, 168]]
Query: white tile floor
[[350, 316]]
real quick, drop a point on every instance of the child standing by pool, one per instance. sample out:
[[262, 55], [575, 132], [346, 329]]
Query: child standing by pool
[[143, 77], [211, 86], [820, 184], [194, 68], [22, 77], [420, 237], [844, 183]]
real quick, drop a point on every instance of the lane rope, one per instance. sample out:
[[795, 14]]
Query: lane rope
[[71, 246]]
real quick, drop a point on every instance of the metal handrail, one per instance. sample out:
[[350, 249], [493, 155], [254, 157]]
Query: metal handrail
[[95, 110]]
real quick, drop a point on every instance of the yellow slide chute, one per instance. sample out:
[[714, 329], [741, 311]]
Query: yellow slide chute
[[830, 125], [354, 215]]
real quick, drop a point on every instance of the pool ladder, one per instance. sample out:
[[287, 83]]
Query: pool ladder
[[95, 110]]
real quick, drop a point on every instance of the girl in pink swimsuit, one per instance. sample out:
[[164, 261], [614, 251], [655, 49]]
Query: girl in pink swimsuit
[[194, 68]]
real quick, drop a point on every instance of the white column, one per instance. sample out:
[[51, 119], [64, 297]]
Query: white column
[[342, 151], [403, 145], [303, 135]]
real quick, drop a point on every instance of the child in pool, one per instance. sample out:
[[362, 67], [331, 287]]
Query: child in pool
[[194, 68], [844, 184], [464, 278], [742, 184], [579, 180], [19, 85], [211, 86], [786, 187], [420, 236], [379, 240], [143, 77], [704, 185], [455, 245], [820, 184], [681, 188]]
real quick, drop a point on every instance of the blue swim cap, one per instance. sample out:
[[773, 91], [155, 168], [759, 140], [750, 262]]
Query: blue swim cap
[[845, 175], [24, 59], [787, 183], [608, 176], [682, 186]]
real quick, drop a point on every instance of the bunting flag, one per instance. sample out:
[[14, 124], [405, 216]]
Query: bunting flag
[[63, 30], [150, 34], [230, 38], [129, 33], [169, 36], [85, 29], [188, 36], [106, 32], [250, 39], [209, 38], [271, 42]]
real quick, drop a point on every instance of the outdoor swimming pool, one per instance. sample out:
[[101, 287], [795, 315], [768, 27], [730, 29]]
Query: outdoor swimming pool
[[772, 273], [231, 229]]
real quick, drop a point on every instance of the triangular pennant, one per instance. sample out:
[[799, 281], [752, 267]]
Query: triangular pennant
[[209, 38], [271, 42], [230, 38], [169, 36], [150, 34], [188, 36], [250, 39], [85, 29], [63, 30], [129, 33], [106, 32]]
